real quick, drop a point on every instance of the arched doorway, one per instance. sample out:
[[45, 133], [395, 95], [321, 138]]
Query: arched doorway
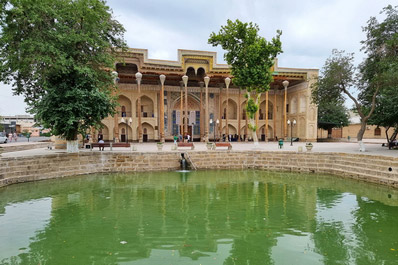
[[147, 107], [193, 115], [148, 133], [103, 133], [124, 110], [125, 132]]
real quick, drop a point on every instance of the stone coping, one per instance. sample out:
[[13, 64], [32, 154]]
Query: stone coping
[[8, 148], [370, 168]]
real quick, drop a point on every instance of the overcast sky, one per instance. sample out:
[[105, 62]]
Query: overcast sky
[[310, 29]]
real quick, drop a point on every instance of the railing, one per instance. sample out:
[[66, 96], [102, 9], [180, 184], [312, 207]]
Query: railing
[[146, 114], [124, 114]]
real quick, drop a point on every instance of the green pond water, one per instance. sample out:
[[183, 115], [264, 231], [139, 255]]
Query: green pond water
[[204, 217]]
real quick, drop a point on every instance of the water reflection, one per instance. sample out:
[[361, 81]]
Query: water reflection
[[219, 217]]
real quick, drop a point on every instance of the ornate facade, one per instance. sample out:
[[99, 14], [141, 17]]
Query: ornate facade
[[183, 108]]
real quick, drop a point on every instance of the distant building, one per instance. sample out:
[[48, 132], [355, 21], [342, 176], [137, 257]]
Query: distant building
[[351, 131], [21, 123]]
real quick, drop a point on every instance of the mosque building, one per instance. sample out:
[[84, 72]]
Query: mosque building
[[157, 102]]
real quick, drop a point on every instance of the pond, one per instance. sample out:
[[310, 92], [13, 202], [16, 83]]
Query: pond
[[201, 217]]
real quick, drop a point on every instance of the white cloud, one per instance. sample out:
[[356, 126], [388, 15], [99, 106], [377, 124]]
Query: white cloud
[[311, 28]]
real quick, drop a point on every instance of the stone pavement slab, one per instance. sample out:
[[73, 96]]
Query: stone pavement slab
[[373, 148]]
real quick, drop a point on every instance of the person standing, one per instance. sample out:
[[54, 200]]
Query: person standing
[[175, 139], [15, 136]]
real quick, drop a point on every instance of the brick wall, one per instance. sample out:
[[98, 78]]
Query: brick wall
[[369, 168]]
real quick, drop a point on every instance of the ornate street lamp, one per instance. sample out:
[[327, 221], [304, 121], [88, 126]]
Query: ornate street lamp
[[218, 122], [211, 124], [293, 123]]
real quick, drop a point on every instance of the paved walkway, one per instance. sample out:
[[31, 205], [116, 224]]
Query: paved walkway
[[373, 147]]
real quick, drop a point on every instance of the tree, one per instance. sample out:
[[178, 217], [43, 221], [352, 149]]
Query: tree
[[251, 58], [386, 112], [380, 69], [331, 110], [332, 115], [338, 79], [59, 55]]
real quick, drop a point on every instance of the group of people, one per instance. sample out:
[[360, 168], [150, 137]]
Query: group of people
[[179, 138], [11, 136]]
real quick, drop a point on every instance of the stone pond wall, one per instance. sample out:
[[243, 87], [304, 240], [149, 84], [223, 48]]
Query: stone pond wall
[[376, 169]]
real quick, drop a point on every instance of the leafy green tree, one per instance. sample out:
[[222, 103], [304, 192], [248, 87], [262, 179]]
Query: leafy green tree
[[59, 55], [251, 58], [331, 110], [337, 79], [386, 112], [380, 69], [332, 115]]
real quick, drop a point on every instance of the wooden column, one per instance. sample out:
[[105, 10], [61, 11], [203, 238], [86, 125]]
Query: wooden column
[[239, 115], [257, 116], [185, 80], [161, 114], [246, 136], [274, 111], [227, 81], [266, 116], [201, 113], [116, 117], [207, 80], [116, 127], [221, 113], [138, 76], [181, 109], [285, 84]]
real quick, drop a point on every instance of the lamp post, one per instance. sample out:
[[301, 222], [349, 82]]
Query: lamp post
[[218, 122], [211, 124], [193, 124], [293, 123], [127, 132], [128, 122]]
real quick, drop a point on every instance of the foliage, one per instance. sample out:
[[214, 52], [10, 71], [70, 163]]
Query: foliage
[[47, 134], [251, 58], [331, 110], [58, 54], [26, 133], [381, 67], [73, 103], [249, 55]]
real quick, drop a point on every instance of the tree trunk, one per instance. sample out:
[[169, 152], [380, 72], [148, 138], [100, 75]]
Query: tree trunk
[[254, 133], [360, 134], [72, 146], [329, 133]]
